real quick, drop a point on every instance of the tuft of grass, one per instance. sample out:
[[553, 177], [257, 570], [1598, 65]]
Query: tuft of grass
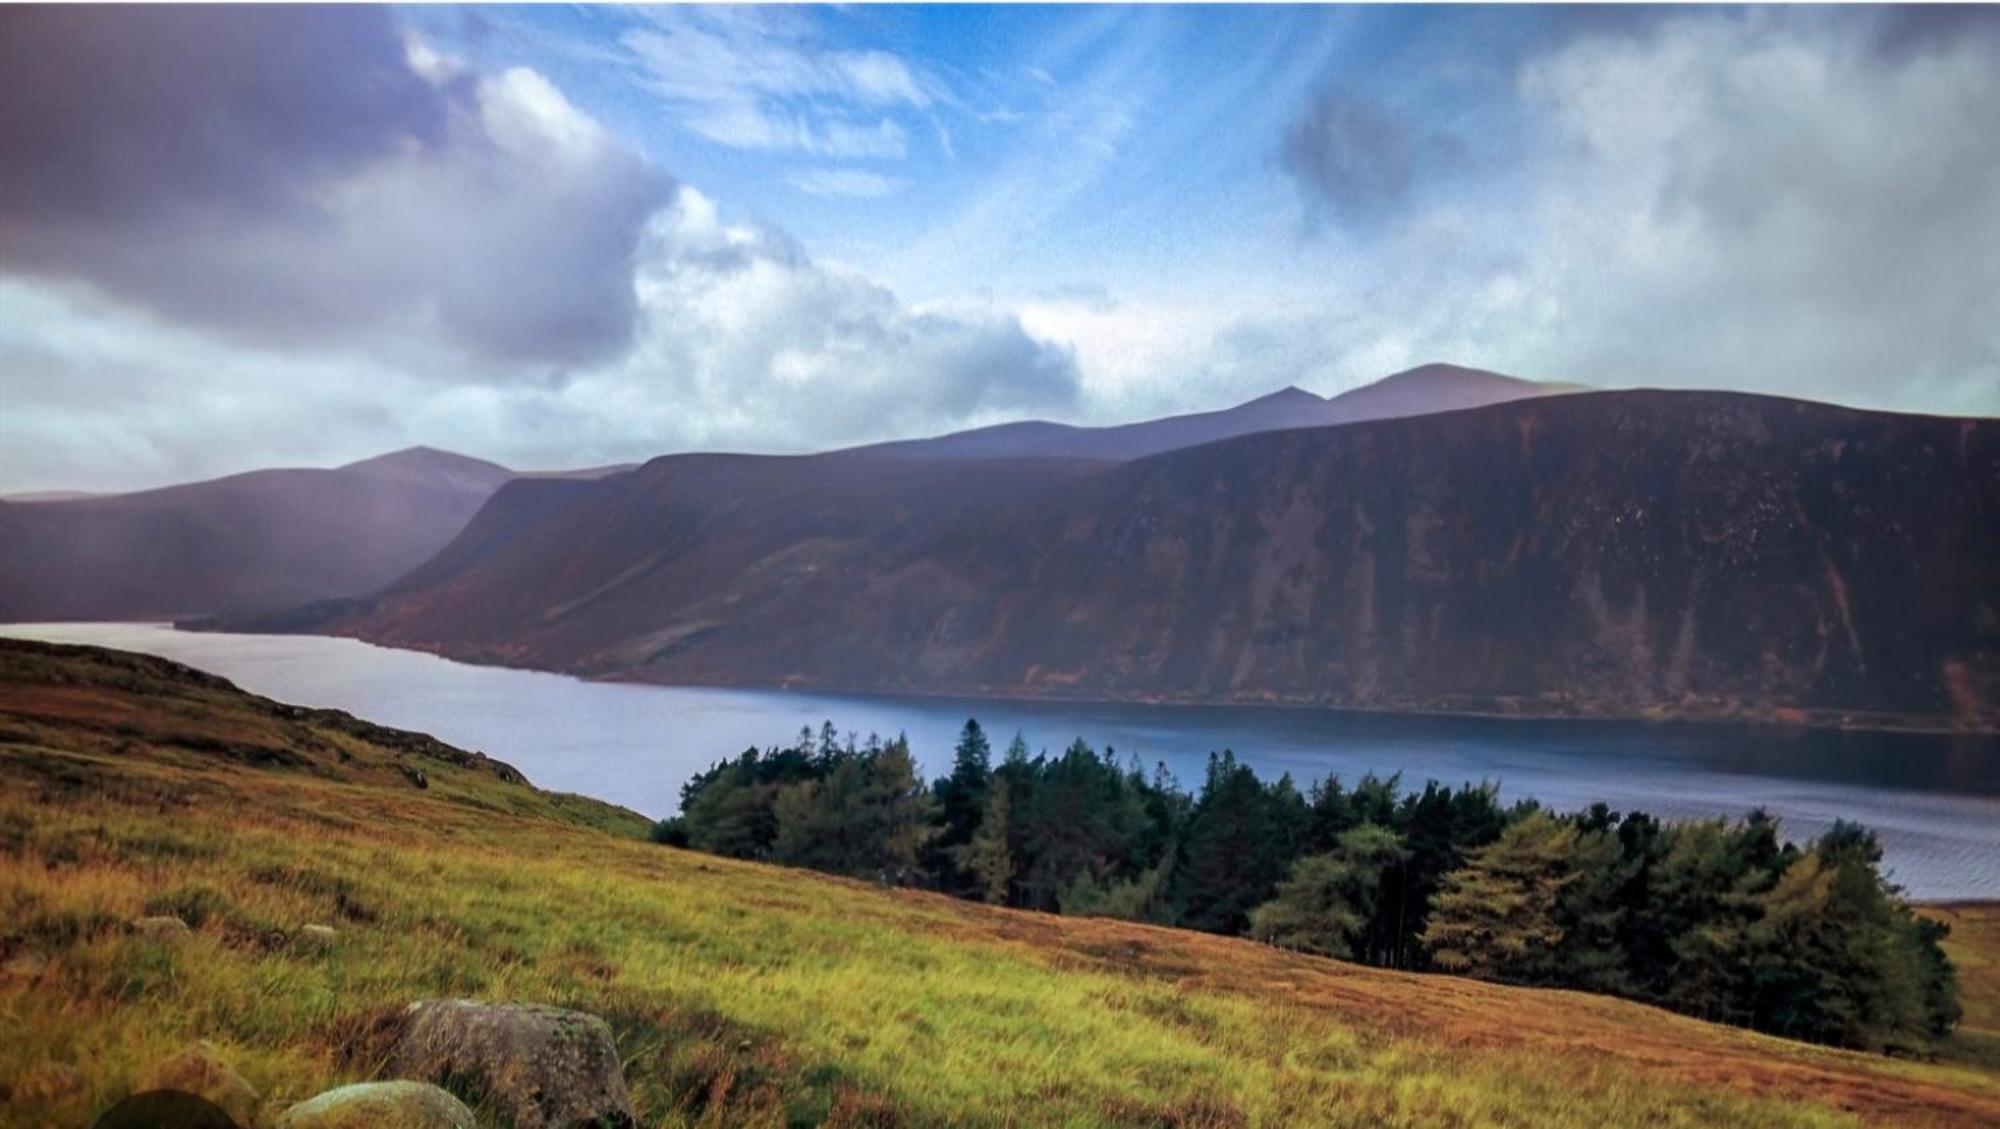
[[195, 903], [742, 994]]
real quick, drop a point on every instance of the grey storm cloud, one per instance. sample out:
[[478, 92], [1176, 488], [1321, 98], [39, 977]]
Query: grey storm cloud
[[1359, 160], [291, 175]]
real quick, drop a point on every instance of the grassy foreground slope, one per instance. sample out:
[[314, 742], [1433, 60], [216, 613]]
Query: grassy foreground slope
[[739, 993]]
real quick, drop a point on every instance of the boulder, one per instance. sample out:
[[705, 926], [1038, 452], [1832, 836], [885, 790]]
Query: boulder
[[200, 1071], [161, 928], [379, 1105], [540, 1067]]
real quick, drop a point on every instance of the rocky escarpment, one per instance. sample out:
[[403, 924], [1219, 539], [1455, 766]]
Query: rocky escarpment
[[1661, 554]]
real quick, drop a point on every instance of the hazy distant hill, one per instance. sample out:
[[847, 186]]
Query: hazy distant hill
[[32, 496], [1667, 554], [1418, 391], [274, 539], [244, 543]]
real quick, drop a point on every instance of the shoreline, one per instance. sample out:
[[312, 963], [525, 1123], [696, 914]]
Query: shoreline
[[1810, 721], [1806, 721]]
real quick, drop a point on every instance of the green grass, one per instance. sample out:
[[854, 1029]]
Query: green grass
[[740, 994]]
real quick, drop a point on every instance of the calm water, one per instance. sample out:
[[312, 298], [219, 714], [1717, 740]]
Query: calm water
[[1934, 800]]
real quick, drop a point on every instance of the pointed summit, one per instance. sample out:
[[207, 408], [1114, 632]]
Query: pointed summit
[[1291, 395]]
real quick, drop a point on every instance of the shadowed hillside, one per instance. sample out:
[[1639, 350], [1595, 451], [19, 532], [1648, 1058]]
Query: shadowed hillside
[[737, 993], [1655, 554], [249, 542]]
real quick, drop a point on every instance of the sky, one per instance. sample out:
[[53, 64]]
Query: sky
[[553, 237]]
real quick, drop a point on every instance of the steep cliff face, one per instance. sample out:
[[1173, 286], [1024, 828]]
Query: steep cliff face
[[1633, 553], [1611, 554]]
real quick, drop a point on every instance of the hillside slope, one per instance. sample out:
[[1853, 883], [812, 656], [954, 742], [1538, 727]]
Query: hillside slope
[[1654, 554], [1417, 391], [249, 542], [739, 994]]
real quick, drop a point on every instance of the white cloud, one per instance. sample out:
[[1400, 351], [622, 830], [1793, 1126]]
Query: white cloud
[[780, 350], [744, 342], [1751, 200]]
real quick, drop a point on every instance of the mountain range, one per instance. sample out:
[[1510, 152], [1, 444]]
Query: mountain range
[[245, 543], [274, 539], [1692, 555], [1419, 391]]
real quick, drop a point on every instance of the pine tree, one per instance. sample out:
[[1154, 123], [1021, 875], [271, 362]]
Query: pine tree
[[1327, 903], [961, 797], [1836, 957], [868, 816], [1242, 837], [988, 857], [1496, 916]]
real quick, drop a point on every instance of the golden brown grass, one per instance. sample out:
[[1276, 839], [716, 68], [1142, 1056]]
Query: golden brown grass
[[1974, 949], [744, 994]]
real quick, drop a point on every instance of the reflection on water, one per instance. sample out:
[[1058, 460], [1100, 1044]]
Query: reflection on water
[[1935, 800]]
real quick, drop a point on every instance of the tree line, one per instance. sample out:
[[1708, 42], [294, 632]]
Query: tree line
[[1715, 918]]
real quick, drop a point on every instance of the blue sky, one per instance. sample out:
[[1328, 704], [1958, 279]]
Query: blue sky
[[1035, 149], [563, 235]]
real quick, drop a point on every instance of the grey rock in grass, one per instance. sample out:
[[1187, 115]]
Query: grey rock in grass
[[541, 1067], [165, 928], [380, 1105]]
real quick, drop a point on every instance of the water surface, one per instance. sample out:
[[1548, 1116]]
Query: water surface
[[1934, 800]]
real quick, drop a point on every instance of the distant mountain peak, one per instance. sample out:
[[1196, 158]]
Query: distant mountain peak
[[1290, 394], [407, 456], [1436, 371], [426, 460]]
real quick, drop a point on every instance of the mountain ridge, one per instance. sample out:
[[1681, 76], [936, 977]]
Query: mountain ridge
[[245, 542], [1425, 389], [1706, 556]]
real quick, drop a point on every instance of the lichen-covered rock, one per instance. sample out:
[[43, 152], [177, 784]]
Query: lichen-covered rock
[[200, 1070], [380, 1105], [541, 1067], [164, 928]]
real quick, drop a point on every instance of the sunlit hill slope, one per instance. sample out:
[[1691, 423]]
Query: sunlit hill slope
[[738, 993]]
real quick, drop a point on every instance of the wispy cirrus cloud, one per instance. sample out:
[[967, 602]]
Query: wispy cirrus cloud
[[757, 78], [850, 184]]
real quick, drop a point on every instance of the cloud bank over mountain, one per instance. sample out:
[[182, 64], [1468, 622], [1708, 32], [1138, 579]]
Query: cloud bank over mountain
[[236, 237]]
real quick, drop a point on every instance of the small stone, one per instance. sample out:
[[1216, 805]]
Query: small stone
[[200, 1071], [161, 928], [24, 966], [379, 1105], [317, 936]]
